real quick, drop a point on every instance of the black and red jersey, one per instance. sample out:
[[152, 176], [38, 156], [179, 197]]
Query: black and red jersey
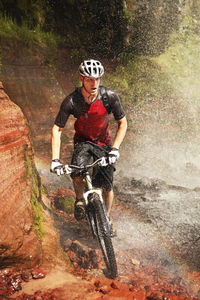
[[92, 120]]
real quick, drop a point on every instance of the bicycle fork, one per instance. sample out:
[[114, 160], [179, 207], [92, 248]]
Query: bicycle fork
[[88, 197]]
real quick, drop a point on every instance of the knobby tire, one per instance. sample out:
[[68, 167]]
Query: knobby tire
[[91, 219], [104, 238]]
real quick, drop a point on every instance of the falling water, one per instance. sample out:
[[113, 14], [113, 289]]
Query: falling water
[[158, 176]]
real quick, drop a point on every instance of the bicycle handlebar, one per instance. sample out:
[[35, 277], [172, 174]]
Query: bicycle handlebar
[[86, 167]]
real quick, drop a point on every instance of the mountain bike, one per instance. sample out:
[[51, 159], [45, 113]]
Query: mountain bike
[[97, 218]]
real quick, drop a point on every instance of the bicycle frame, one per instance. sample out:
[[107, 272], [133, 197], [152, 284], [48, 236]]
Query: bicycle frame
[[88, 180], [98, 219]]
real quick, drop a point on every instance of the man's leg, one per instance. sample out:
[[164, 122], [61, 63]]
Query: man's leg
[[79, 207], [81, 157], [108, 197], [79, 184]]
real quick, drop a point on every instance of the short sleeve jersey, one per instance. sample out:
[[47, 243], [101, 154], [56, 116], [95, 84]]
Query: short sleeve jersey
[[92, 120]]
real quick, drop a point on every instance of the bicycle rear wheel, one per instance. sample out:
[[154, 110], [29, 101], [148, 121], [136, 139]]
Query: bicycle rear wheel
[[103, 236]]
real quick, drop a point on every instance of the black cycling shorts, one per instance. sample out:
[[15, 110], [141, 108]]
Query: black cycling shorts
[[84, 152]]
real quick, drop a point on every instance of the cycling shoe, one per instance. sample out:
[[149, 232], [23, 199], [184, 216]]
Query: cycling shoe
[[113, 231], [79, 209]]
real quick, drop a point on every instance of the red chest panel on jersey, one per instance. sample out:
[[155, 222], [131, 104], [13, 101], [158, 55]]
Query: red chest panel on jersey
[[93, 124]]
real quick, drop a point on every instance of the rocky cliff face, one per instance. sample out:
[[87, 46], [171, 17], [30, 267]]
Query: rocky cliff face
[[19, 242]]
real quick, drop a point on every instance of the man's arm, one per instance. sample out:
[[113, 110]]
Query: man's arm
[[56, 142], [121, 132]]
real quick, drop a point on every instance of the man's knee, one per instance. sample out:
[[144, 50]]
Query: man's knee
[[78, 180]]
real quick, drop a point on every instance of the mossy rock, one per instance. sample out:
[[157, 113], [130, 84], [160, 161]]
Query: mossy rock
[[65, 204], [32, 173]]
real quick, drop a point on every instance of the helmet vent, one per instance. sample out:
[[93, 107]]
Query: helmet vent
[[91, 68]]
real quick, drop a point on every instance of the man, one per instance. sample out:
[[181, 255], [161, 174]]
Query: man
[[90, 105]]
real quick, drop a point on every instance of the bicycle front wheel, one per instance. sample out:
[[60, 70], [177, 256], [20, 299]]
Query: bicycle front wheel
[[104, 238]]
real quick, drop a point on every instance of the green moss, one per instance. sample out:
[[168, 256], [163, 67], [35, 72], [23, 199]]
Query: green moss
[[29, 39], [65, 204], [9, 29], [174, 74], [0, 61], [140, 79], [69, 260], [181, 62], [38, 216], [36, 195], [44, 190]]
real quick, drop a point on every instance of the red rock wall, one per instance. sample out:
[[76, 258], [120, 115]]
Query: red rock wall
[[19, 243], [39, 93]]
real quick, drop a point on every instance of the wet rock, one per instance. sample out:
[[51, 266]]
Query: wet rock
[[114, 285], [2, 281], [154, 296], [16, 283], [62, 192], [103, 291], [10, 291], [37, 296], [97, 284], [72, 255], [25, 276], [147, 183], [78, 248], [67, 244], [38, 274], [139, 295], [83, 256]]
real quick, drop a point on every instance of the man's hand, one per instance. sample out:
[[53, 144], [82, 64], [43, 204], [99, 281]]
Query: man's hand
[[57, 167], [67, 169], [103, 162], [113, 156]]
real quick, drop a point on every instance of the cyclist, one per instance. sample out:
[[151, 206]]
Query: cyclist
[[92, 137]]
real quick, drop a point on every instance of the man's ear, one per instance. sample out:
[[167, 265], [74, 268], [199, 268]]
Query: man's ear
[[81, 78]]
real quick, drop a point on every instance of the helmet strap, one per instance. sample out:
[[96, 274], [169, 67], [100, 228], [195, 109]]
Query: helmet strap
[[86, 90]]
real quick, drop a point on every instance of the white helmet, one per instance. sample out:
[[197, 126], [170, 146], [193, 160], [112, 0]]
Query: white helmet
[[91, 68]]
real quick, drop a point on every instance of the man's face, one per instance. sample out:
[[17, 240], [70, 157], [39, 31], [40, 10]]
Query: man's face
[[91, 84]]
